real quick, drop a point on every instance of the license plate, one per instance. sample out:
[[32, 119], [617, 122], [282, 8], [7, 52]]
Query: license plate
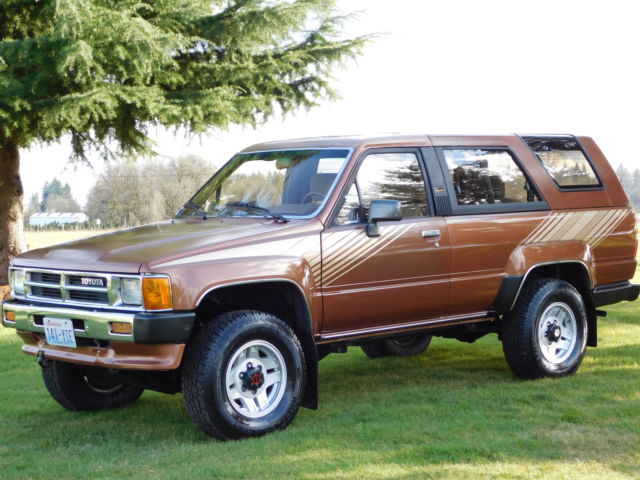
[[59, 331]]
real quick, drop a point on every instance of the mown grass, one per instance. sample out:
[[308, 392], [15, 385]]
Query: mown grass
[[455, 412]]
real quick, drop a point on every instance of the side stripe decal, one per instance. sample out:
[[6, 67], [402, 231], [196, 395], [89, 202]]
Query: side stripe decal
[[348, 251], [591, 226]]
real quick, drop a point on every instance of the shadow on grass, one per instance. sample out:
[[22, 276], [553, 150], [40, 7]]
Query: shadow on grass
[[455, 404]]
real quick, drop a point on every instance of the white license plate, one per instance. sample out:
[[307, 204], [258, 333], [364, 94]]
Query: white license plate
[[59, 331]]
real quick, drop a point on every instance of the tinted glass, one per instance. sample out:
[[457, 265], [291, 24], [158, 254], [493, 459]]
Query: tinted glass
[[287, 182], [385, 176], [482, 177], [569, 168], [350, 212], [564, 160]]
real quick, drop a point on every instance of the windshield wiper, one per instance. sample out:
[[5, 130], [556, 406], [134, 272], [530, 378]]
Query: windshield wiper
[[196, 208], [266, 211]]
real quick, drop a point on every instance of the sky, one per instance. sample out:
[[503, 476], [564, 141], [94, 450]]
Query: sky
[[447, 66]]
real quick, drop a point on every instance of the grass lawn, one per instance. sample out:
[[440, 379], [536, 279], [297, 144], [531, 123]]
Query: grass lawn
[[455, 412]]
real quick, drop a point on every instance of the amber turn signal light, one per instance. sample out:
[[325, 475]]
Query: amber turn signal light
[[156, 292], [122, 328], [10, 317]]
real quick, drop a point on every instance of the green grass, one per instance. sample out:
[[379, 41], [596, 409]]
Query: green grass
[[454, 412]]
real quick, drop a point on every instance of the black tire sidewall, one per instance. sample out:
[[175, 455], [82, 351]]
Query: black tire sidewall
[[227, 420], [552, 293], [66, 384], [416, 345]]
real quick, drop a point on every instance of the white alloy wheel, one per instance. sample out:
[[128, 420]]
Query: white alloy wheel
[[557, 333], [256, 377]]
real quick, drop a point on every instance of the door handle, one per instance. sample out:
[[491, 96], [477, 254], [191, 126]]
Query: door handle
[[430, 233]]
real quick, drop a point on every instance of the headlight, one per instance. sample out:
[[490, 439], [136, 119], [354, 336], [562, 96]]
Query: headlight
[[16, 280], [131, 291]]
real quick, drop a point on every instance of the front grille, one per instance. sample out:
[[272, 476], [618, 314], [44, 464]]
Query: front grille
[[44, 277], [45, 292], [86, 296], [72, 287]]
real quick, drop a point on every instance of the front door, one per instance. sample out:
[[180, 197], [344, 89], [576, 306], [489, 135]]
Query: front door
[[398, 278]]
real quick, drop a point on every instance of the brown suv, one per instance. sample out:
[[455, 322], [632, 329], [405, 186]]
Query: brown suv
[[297, 249]]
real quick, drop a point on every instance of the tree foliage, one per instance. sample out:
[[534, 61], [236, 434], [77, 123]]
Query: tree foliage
[[104, 71], [131, 193], [57, 197], [631, 183]]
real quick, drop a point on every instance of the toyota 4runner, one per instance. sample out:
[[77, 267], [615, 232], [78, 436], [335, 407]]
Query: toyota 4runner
[[297, 249]]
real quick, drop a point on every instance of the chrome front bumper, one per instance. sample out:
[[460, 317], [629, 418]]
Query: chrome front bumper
[[164, 327]]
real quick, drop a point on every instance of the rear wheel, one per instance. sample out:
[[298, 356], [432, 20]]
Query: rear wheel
[[545, 335], [402, 346], [86, 388], [244, 375]]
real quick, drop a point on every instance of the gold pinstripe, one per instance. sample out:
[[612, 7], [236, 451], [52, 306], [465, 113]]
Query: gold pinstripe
[[580, 224], [603, 236], [339, 255], [591, 226], [602, 226], [565, 217], [365, 254], [346, 254], [545, 226]]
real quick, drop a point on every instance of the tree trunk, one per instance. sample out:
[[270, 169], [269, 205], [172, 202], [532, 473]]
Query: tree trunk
[[11, 226]]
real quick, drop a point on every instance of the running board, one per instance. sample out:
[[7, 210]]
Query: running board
[[403, 327]]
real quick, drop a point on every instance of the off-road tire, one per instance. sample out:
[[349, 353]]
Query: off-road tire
[[79, 388], [207, 363], [403, 346], [522, 330]]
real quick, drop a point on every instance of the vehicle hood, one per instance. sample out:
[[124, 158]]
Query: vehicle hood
[[126, 251]]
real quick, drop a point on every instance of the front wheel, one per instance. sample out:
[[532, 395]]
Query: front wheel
[[545, 335], [86, 388], [243, 375]]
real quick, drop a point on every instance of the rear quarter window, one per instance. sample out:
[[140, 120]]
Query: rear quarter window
[[565, 162]]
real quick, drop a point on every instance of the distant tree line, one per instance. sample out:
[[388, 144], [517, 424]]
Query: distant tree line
[[131, 193], [56, 197], [631, 183], [127, 192]]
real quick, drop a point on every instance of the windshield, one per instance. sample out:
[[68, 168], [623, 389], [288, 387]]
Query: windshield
[[276, 183]]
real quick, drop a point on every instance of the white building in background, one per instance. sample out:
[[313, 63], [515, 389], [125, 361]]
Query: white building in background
[[43, 219]]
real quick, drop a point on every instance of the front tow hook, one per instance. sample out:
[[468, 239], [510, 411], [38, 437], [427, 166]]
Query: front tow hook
[[42, 360]]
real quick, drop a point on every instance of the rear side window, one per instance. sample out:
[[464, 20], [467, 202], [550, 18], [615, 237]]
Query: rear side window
[[565, 161], [487, 177]]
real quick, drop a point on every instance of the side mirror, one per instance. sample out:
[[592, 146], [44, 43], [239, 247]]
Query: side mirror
[[389, 210]]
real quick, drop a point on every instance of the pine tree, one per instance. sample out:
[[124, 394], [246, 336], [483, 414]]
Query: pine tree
[[103, 71]]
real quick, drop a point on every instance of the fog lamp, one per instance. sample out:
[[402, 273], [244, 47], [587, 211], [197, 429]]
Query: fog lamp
[[122, 328]]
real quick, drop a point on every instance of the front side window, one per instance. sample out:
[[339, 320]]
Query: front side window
[[256, 184], [385, 176], [486, 177]]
